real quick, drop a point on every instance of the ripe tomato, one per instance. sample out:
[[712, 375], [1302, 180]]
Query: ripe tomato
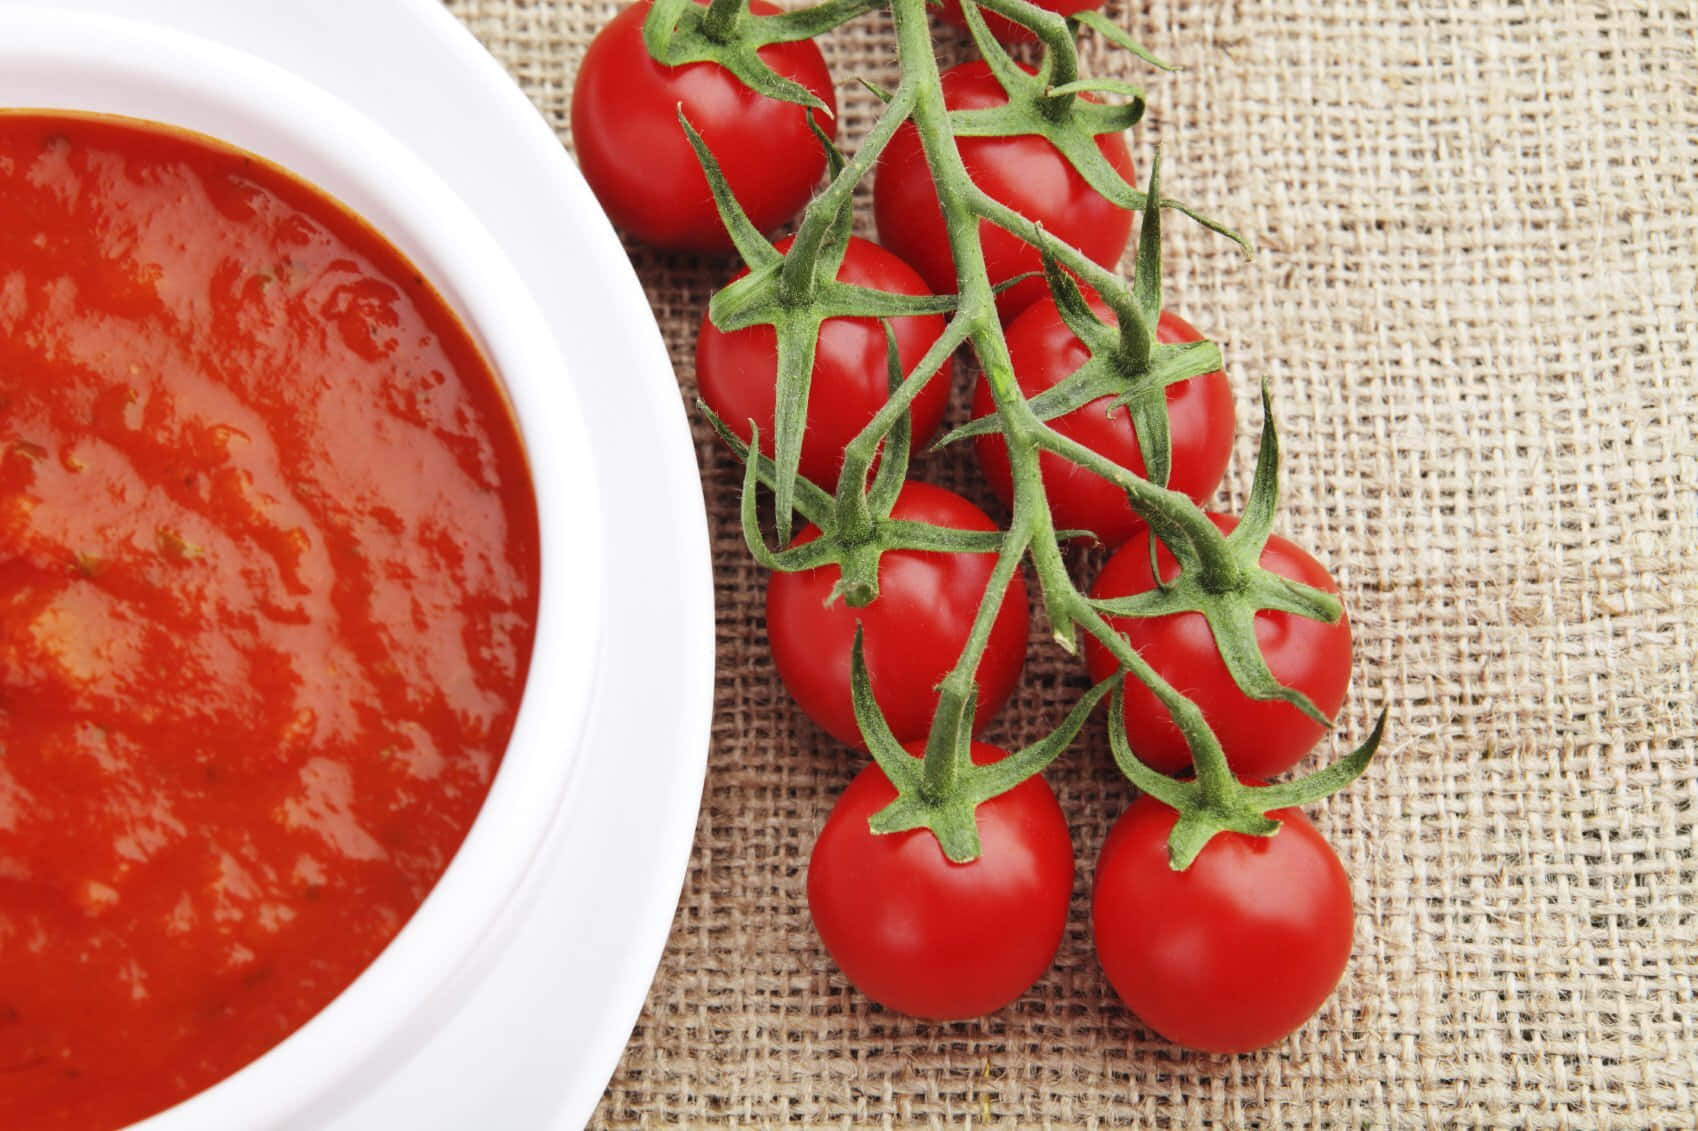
[[639, 163], [1261, 738], [1006, 30], [1200, 415], [738, 372], [931, 938], [912, 632], [1235, 952], [1026, 173]]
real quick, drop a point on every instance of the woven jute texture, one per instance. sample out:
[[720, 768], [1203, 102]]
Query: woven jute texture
[[1474, 303]]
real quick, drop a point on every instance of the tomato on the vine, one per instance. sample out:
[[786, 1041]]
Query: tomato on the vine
[[1236, 951], [738, 372], [638, 161], [913, 631], [1260, 737], [1200, 416], [1025, 172], [928, 937], [1006, 30]]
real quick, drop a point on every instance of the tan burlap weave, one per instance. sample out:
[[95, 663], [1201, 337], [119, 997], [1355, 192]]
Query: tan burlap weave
[[1475, 305]]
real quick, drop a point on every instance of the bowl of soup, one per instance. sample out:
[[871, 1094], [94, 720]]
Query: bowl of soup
[[296, 528]]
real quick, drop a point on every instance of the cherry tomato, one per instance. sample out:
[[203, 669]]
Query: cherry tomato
[[912, 632], [1200, 415], [1006, 30], [639, 163], [925, 936], [1026, 173], [1261, 738], [1235, 952], [737, 372]]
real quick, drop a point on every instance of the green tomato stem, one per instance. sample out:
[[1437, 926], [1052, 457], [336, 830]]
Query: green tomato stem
[[943, 158], [798, 274], [814, 20], [722, 17], [1168, 512], [940, 792], [1219, 786], [858, 455], [959, 689], [1050, 29], [963, 204]]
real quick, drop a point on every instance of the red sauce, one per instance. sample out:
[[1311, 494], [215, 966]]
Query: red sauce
[[268, 573]]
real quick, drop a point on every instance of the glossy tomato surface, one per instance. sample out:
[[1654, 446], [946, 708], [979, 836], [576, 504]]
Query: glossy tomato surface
[[1006, 30], [1201, 420], [1261, 738], [931, 938], [737, 372], [1235, 952], [1025, 172], [637, 159], [913, 631]]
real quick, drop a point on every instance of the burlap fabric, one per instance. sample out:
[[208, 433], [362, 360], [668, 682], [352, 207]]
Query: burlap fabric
[[1474, 303]]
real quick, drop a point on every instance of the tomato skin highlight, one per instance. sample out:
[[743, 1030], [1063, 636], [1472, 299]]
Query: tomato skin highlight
[[737, 372], [1026, 173], [1237, 951], [1260, 738], [913, 632], [1201, 418], [925, 936], [637, 158]]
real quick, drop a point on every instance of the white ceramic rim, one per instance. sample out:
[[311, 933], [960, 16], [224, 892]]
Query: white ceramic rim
[[51, 59]]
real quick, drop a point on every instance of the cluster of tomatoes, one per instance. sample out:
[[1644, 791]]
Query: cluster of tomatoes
[[1231, 951]]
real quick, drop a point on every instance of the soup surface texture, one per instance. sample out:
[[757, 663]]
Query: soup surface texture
[[268, 573]]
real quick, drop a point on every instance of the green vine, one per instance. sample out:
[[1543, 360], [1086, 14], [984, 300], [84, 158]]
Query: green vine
[[796, 290]]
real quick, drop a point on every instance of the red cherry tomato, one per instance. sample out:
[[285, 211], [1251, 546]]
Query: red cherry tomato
[[925, 936], [637, 159], [912, 632], [1026, 173], [1235, 952], [1261, 738], [1200, 414], [1006, 30], [737, 372]]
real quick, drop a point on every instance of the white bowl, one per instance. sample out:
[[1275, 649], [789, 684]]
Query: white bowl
[[51, 59]]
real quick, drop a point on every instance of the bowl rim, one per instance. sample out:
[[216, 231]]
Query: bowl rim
[[104, 64]]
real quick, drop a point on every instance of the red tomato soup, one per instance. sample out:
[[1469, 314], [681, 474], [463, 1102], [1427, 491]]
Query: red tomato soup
[[268, 576]]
